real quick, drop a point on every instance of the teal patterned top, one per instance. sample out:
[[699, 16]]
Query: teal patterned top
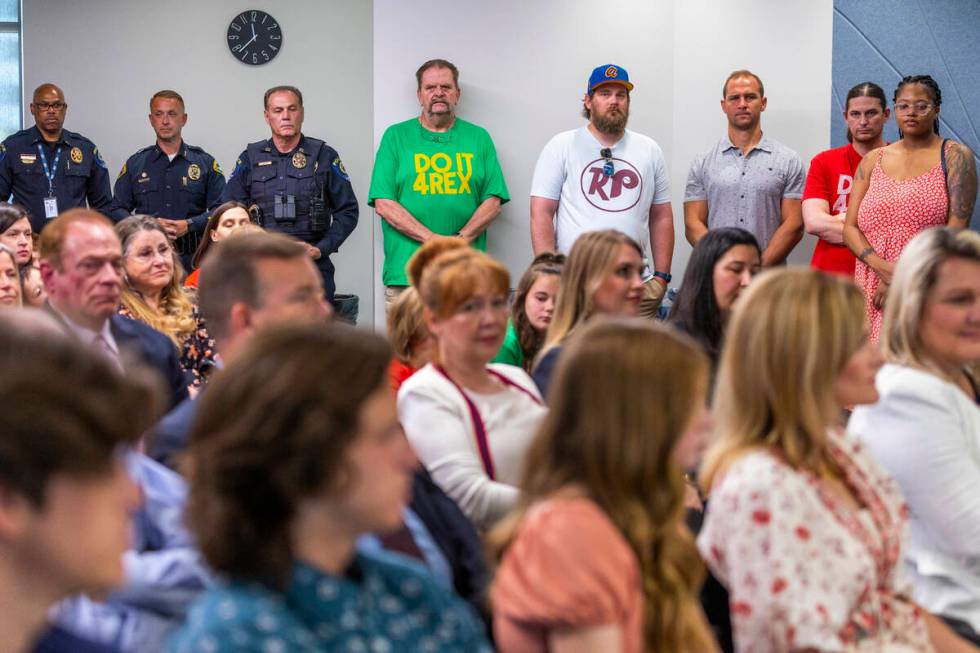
[[383, 604]]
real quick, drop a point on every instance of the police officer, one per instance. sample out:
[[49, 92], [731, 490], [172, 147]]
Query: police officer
[[298, 183], [50, 169], [172, 180]]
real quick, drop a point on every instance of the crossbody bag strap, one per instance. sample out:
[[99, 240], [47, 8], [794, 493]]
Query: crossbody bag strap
[[480, 430]]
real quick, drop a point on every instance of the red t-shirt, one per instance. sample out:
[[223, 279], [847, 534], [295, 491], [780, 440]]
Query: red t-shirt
[[191, 280], [830, 178], [398, 372]]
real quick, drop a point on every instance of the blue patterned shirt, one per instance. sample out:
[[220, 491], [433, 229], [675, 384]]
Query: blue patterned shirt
[[384, 604]]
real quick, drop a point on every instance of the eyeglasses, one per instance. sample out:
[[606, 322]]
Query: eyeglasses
[[46, 106], [607, 169], [918, 107]]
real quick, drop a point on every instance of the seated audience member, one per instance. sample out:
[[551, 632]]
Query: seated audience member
[[722, 264], [226, 219], [82, 268], [802, 526], [285, 476], [596, 557], [250, 283], [602, 276], [409, 337], [925, 429], [11, 289], [16, 233], [33, 286], [152, 294], [66, 496], [468, 421], [531, 311]]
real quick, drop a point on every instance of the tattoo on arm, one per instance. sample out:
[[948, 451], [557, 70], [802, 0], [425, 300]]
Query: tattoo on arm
[[961, 183], [859, 173]]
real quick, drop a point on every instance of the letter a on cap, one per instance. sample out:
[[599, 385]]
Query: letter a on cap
[[611, 71]]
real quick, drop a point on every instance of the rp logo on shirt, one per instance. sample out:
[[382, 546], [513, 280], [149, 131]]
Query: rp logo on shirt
[[617, 192]]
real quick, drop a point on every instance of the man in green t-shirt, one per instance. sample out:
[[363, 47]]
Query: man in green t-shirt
[[434, 175]]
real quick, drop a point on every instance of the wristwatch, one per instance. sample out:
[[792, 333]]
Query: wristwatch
[[666, 276]]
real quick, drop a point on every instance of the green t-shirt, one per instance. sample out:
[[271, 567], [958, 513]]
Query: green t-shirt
[[510, 352], [439, 177]]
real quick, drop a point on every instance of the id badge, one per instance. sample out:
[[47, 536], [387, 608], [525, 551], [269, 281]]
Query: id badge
[[50, 207]]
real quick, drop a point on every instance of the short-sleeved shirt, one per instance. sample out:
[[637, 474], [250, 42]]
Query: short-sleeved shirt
[[746, 191], [830, 178], [568, 567], [439, 177], [570, 169], [803, 570]]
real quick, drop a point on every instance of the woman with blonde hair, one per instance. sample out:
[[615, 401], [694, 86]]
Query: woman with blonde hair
[[925, 430], [468, 421], [802, 527], [602, 276], [152, 294], [596, 556]]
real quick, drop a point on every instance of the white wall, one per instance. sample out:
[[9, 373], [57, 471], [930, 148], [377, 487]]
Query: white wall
[[112, 55], [523, 67]]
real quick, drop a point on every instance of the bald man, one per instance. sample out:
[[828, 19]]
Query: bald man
[[50, 169]]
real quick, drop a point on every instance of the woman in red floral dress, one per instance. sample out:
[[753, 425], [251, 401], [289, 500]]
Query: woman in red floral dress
[[803, 527], [920, 181]]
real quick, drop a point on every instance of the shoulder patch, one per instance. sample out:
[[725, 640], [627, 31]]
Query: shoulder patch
[[216, 167], [122, 172], [3, 151], [339, 168], [98, 158]]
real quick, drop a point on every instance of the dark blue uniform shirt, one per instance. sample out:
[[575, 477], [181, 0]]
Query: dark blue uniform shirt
[[187, 188], [282, 185], [80, 173]]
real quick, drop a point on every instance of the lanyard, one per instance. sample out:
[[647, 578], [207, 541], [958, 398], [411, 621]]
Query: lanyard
[[480, 431], [53, 170]]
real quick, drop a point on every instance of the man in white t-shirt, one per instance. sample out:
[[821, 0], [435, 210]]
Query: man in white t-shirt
[[603, 176]]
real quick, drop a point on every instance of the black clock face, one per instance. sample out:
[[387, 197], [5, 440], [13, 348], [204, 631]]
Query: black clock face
[[254, 37]]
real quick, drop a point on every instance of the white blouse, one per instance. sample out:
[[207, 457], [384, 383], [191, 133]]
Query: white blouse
[[926, 432], [439, 426]]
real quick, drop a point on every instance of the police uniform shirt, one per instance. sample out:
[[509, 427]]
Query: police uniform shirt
[[79, 173], [262, 173], [186, 188]]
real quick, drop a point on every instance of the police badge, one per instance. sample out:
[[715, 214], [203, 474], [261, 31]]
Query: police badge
[[194, 171], [76, 155], [299, 160]]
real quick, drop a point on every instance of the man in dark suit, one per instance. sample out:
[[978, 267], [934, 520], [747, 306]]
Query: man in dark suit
[[82, 269], [248, 283]]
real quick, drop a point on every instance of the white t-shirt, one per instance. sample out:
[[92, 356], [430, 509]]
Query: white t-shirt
[[570, 170]]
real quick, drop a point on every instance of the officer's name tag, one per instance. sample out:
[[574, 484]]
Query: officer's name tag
[[264, 163], [50, 207]]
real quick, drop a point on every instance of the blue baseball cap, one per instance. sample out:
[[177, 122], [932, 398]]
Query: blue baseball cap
[[609, 74]]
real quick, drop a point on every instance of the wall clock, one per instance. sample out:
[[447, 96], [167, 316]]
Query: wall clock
[[254, 37]]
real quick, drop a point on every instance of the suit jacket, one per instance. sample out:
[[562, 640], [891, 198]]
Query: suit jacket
[[155, 350], [148, 345]]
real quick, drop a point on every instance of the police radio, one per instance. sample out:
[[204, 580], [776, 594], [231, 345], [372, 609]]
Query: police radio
[[319, 212]]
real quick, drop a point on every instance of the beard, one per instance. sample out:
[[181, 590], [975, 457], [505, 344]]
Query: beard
[[612, 121]]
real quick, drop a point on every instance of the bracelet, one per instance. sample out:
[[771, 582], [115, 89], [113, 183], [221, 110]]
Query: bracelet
[[865, 253]]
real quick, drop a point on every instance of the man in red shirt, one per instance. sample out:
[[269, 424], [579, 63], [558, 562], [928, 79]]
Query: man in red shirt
[[831, 174]]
